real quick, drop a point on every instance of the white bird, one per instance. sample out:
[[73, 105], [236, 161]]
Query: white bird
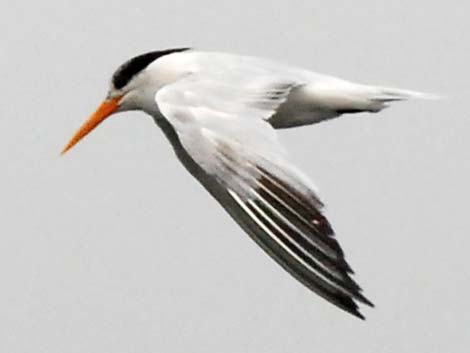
[[220, 112]]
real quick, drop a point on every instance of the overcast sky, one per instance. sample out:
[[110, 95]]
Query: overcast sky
[[115, 248]]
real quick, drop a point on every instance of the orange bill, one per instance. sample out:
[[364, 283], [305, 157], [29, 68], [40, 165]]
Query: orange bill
[[106, 108]]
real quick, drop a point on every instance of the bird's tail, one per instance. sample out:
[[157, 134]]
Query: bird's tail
[[376, 98], [387, 94], [334, 97]]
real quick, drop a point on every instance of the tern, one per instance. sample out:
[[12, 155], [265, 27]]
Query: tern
[[220, 112]]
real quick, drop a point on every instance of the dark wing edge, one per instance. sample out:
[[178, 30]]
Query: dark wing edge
[[290, 227]]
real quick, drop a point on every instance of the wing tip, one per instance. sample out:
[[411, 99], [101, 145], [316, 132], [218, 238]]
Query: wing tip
[[352, 307], [363, 300], [359, 315]]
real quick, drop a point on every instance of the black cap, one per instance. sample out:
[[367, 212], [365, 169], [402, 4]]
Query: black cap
[[132, 67]]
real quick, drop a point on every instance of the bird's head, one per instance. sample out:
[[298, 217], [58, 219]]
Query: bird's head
[[132, 87]]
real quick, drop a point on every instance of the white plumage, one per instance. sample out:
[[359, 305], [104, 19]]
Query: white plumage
[[220, 112]]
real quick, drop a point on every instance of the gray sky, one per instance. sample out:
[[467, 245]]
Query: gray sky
[[115, 248]]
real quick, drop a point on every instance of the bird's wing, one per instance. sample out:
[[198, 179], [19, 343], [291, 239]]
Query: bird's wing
[[223, 130]]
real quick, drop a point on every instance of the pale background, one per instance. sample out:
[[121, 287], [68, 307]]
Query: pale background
[[115, 248]]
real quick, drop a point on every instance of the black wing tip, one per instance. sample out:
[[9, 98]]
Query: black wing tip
[[348, 305], [359, 296], [296, 208], [359, 315], [351, 307], [365, 301]]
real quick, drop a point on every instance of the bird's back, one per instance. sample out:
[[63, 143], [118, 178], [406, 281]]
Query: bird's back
[[309, 97]]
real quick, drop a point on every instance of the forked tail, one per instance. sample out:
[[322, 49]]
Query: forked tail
[[386, 94]]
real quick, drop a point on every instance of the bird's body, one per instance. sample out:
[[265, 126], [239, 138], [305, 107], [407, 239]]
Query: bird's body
[[220, 112], [309, 97]]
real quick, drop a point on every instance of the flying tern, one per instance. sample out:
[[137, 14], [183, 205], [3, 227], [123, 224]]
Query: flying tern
[[220, 112]]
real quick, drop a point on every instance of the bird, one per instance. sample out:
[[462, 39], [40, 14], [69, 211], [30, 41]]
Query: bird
[[220, 112]]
